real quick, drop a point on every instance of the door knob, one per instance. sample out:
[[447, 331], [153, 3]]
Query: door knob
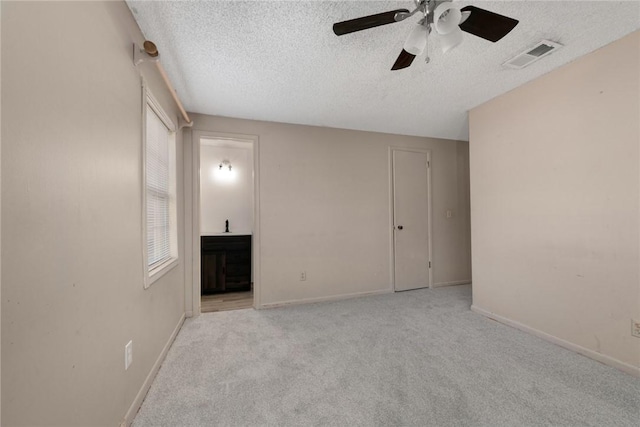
[[400, 227]]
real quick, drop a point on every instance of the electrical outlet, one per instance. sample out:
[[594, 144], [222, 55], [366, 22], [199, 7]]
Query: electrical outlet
[[449, 213], [128, 355], [303, 276], [635, 328]]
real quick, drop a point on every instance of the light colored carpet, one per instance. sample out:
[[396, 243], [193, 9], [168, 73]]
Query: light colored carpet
[[418, 358]]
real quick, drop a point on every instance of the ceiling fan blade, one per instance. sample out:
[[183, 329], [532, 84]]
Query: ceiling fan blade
[[487, 25], [366, 22], [404, 60]]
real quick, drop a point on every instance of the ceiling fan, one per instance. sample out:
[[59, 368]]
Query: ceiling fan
[[443, 17]]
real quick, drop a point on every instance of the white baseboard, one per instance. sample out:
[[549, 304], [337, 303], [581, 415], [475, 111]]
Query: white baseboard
[[324, 299], [607, 360], [454, 283], [137, 402]]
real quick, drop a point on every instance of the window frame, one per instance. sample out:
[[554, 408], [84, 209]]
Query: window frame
[[151, 275]]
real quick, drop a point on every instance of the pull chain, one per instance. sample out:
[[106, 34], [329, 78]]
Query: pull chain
[[426, 48]]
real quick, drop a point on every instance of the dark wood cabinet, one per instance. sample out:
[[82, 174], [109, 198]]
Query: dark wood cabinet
[[225, 264], [213, 269]]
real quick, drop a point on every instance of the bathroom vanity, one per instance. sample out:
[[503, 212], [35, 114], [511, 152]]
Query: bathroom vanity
[[225, 263]]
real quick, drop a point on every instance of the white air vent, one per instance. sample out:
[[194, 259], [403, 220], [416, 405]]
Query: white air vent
[[540, 50]]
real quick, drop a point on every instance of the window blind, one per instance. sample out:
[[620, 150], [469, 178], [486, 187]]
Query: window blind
[[157, 191]]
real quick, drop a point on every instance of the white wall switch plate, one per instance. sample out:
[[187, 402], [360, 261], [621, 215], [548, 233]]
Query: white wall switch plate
[[635, 328], [128, 355]]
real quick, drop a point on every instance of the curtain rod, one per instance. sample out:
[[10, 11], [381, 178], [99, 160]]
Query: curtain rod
[[150, 52]]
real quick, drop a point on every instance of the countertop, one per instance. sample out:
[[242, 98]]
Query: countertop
[[219, 233]]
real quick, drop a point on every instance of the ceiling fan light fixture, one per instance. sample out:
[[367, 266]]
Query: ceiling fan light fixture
[[446, 18], [441, 17], [450, 40], [417, 40]]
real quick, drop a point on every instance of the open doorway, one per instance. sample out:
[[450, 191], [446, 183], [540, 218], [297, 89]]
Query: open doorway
[[226, 223]]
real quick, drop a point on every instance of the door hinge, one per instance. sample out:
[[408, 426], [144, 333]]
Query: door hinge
[[428, 164], [429, 264]]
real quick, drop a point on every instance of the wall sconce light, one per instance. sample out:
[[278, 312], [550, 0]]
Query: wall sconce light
[[224, 174]]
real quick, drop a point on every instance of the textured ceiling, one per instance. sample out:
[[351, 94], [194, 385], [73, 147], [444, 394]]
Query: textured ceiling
[[280, 61]]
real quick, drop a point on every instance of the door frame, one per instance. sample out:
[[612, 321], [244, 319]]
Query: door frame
[[196, 135], [392, 241]]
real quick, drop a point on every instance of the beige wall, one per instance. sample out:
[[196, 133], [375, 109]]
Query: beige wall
[[72, 276], [324, 208], [0, 216], [554, 203]]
